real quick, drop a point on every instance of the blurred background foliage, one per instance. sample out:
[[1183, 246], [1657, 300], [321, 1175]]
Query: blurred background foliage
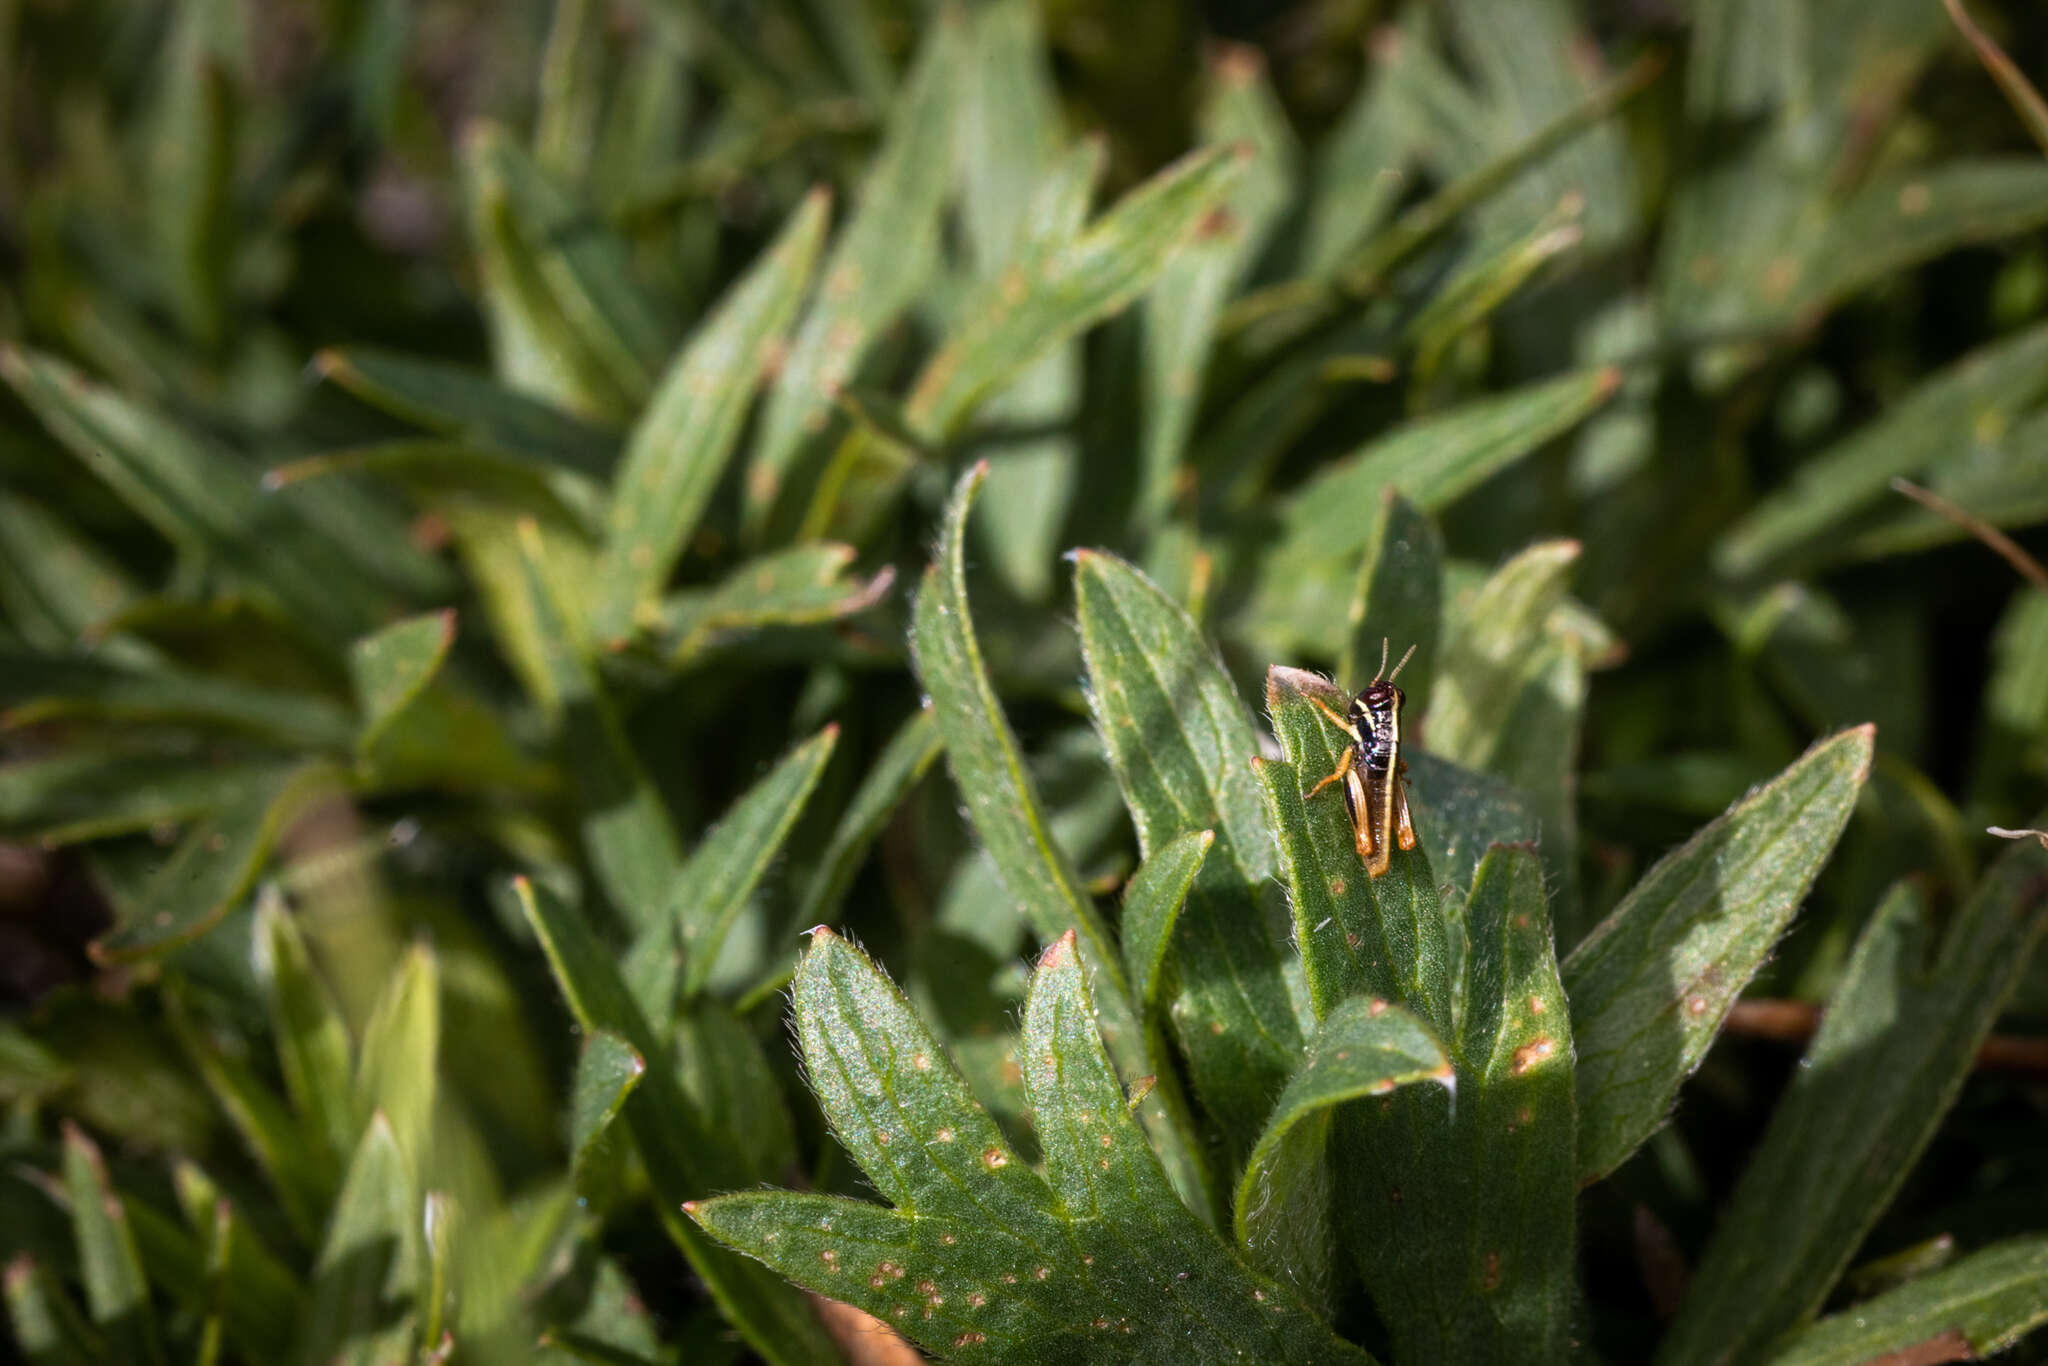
[[387, 510]]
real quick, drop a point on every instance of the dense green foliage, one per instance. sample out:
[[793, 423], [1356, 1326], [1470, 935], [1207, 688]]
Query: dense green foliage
[[507, 508]]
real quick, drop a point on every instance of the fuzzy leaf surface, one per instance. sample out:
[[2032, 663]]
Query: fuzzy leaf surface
[[1152, 906], [1182, 745], [1651, 984], [1459, 1205], [1004, 805], [1357, 935], [1282, 1212], [1096, 1259]]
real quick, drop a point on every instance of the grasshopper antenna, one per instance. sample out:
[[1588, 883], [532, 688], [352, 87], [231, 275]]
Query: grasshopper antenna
[[1381, 672], [1398, 667]]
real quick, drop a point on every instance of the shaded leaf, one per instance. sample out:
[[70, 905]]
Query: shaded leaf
[[1460, 1209], [606, 1074], [1152, 907], [713, 887], [47, 1326], [1651, 984], [1976, 1308], [312, 1037], [458, 402], [214, 864], [396, 1073], [681, 1153], [569, 319], [1398, 601], [82, 794], [1513, 698], [895, 773], [1022, 314], [54, 687], [1307, 581], [1892, 1053], [116, 1291], [1281, 1213], [367, 1275], [627, 831], [1941, 423]]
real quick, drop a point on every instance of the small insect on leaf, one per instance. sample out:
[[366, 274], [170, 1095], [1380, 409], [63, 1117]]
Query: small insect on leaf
[[1372, 772]]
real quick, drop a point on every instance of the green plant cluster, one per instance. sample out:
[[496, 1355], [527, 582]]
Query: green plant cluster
[[506, 509]]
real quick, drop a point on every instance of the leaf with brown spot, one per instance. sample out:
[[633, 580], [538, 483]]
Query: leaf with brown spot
[[1094, 1260]]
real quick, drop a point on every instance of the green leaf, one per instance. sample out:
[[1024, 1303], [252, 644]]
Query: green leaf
[[214, 865], [48, 1328], [301, 1170], [312, 1037], [559, 288], [1459, 814], [392, 667], [681, 443], [1024, 191], [1282, 1211], [882, 257], [895, 774], [1512, 701], [1024, 313], [367, 1275], [55, 584], [627, 830], [679, 1147], [1003, 803], [1460, 1210], [116, 1291], [395, 1075], [1182, 746], [84, 794], [1358, 935], [1892, 1053], [713, 887], [56, 687], [261, 1301], [1306, 583], [1943, 422], [722, 1068], [1651, 984], [1152, 907], [802, 586], [206, 500], [1977, 1308], [458, 402], [1398, 601], [1095, 1260], [436, 470], [606, 1074], [1240, 110], [1366, 268]]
